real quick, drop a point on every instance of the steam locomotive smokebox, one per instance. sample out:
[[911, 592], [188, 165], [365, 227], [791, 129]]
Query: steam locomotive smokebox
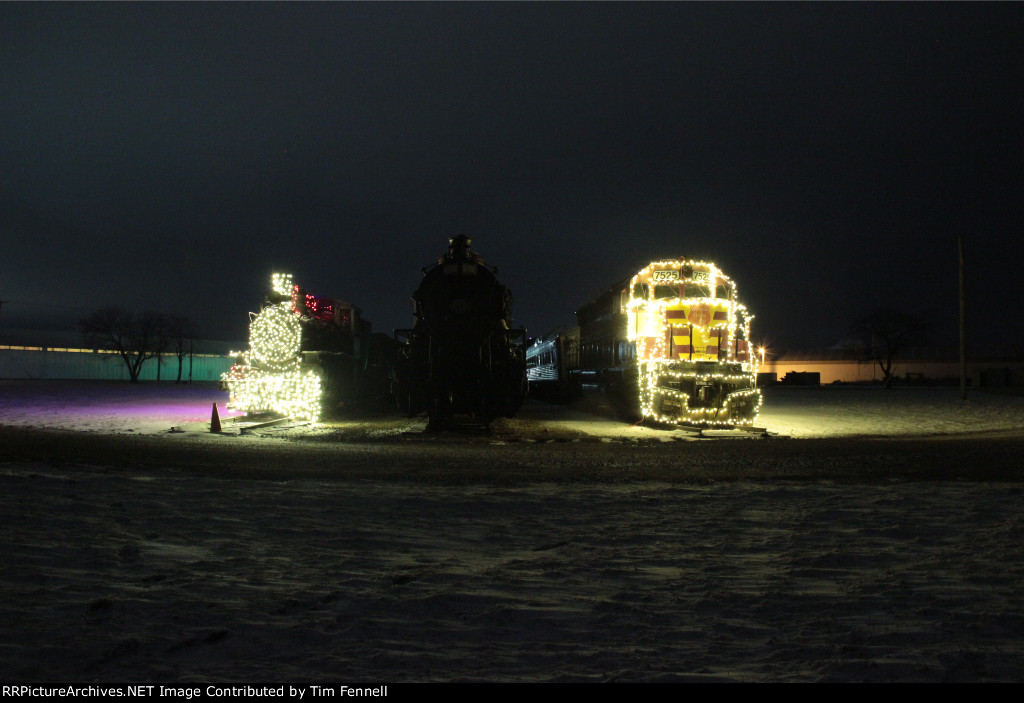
[[462, 356]]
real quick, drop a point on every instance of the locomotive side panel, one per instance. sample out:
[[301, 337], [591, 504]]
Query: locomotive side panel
[[603, 333]]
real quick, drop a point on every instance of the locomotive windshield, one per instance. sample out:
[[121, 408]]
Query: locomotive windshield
[[662, 292], [696, 290]]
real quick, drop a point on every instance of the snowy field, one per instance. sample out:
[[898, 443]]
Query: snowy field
[[106, 407], [563, 546]]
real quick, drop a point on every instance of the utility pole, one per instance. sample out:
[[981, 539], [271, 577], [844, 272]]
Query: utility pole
[[963, 323]]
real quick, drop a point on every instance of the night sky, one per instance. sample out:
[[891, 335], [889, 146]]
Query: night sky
[[170, 157]]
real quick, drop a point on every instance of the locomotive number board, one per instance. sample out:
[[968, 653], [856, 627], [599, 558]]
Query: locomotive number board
[[665, 275]]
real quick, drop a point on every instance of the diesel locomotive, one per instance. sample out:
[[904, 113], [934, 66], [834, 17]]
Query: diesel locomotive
[[671, 344], [461, 360]]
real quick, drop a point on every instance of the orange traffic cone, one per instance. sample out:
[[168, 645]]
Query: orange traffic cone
[[215, 420]]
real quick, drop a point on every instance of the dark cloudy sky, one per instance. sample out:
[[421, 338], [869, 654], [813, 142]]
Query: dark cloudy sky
[[171, 156]]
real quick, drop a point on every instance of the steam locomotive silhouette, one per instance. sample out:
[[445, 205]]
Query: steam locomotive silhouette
[[461, 361]]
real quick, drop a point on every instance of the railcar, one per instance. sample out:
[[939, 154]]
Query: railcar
[[552, 365], [671, 344], [462, 360]]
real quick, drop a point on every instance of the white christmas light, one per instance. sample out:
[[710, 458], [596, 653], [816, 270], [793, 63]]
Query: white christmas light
[[671, 331], [275, 338], [270, 378], [281, 283]]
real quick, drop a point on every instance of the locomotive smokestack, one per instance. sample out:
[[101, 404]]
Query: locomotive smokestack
[[458, 247]]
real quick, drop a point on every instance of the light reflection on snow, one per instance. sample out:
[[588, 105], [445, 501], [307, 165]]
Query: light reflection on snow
[[795, 412], [105, 407]]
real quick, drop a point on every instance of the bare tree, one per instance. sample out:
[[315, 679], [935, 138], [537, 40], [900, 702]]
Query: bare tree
[[890, 332], [135, 339], [181, 332]]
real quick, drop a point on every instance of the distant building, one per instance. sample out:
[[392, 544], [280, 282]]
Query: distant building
[[986, 366], [58, 354]]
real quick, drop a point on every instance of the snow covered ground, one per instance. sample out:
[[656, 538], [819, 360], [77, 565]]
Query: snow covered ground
[[858, 411], [154, 408], [565, 546]]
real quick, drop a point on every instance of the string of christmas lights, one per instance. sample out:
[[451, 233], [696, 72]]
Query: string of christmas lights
[[270, 377], [281, 283], [684, 311], [275, 338]]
